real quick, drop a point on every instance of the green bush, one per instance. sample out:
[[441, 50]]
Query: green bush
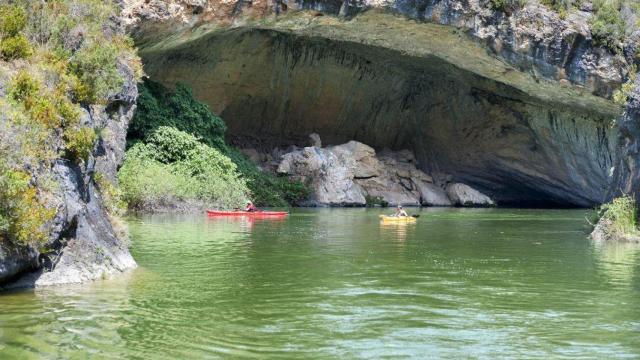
[[96, 68], [157, 106], [24, 88], [13, 19], [607, 25], [172, 166], [43, 111], [147, 184], [23, 215], [622, 212], [15, 47], [79, 143]]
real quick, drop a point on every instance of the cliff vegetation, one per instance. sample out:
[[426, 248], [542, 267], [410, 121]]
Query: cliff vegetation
[[59, 58]]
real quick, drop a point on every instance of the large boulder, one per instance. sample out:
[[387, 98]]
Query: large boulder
[[465, 195], [330, 175], [366, 165], [348, 174], [432, 195]]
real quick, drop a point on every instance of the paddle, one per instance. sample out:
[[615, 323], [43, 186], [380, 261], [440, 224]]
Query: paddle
[[415, 216]]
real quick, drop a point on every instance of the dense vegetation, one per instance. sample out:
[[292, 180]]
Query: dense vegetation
[[622, 214], [160, 108], [179, 109], [58, 57], [607, 26], [173, 168]]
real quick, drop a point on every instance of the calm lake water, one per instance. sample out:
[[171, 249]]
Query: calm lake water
[[334, 283]]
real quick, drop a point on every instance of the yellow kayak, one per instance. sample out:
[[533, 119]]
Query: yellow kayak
[[397, 219]]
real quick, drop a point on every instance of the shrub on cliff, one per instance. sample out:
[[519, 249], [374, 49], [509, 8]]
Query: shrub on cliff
[[607, 25], [621, 95], [13, 44], [23, 211], [172, 168], [56, 57], [621, 214], [15, 47], [562, 7]]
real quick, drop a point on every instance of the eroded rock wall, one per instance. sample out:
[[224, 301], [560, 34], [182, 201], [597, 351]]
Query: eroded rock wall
[[533, 38], [273, 89], [517, 105]]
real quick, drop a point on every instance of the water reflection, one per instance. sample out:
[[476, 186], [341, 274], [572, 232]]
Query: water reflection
[[396, 231], [618, 260], [335, 283], [245, 223]]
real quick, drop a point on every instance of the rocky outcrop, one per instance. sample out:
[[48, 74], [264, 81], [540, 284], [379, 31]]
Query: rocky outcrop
[[604, 231], [352, 174], [627, 170], [83, 243], [433, 195]]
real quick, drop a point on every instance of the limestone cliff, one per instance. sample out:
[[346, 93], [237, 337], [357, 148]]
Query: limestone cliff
[[517, 105]]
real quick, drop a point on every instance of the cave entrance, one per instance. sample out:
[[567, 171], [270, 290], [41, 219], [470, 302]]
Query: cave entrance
[[273, 89]]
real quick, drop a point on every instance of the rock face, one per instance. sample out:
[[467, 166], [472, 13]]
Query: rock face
[[534, 38], [329, 172], [352, 175], [83, 244], [527, 122], [627, 170]]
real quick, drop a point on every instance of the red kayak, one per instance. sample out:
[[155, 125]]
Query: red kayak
[[248, 213]]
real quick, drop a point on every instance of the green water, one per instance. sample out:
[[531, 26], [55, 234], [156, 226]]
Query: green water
[[336, 284]]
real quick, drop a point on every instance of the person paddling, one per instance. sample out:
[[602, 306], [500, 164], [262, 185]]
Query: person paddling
[[400, 212], [250, 207]]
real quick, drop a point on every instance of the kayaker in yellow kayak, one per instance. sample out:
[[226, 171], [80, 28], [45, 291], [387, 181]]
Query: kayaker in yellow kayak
[[400, 212]]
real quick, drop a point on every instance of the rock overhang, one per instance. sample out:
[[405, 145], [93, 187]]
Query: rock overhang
[[390, 81]]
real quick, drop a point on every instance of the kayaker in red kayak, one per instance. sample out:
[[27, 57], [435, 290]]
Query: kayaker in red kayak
[[250, 207]]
